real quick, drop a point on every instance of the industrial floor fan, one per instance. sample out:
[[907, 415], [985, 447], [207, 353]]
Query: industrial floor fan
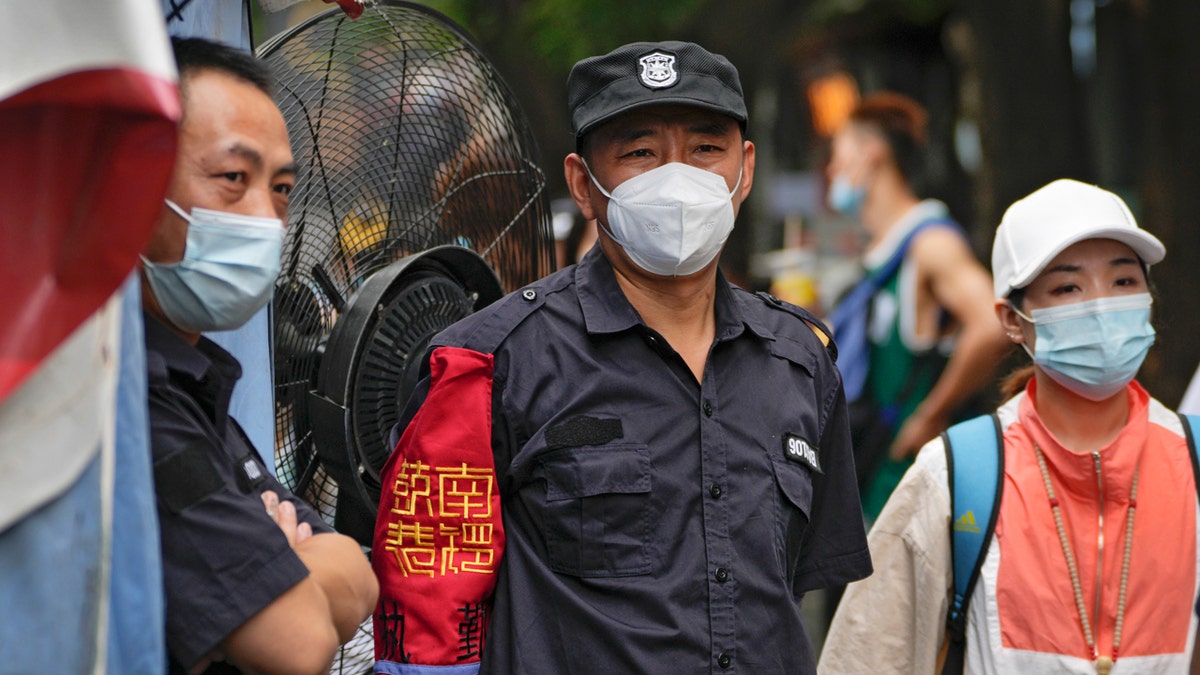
[[419, 200]]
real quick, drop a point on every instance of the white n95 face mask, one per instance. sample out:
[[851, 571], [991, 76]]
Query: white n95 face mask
[[227, 273], [671, 220]]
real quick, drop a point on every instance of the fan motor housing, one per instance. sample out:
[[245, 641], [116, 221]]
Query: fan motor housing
[[372, 360]]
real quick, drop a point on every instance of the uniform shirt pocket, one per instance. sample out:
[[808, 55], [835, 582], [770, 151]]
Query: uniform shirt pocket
[[795, 492], [598, 510]]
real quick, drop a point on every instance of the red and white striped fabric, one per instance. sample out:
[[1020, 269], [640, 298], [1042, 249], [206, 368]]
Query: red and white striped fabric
[[88, 113]]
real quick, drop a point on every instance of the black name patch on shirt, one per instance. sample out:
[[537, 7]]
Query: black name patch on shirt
[[252, 473], [580, 431], [798, 450]]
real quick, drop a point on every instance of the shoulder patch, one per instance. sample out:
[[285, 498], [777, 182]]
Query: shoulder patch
[[817, 326], [185, 477]]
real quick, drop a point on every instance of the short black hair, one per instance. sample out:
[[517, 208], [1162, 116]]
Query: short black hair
[[197, 54]]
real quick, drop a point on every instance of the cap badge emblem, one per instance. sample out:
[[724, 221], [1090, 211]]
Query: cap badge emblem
[[657, 70]]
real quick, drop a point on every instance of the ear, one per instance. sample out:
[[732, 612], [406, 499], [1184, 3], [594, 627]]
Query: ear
[[875, 151], [1014, 326], [747, 170], [579, 183]]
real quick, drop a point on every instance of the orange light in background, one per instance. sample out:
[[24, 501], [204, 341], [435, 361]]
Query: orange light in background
[[831, 97]]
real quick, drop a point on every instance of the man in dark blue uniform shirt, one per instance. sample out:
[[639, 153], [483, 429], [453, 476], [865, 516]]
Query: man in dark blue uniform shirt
[[254, 579], [630, 465]]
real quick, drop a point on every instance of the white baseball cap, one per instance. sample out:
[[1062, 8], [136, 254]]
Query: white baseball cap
[[1038, 227]]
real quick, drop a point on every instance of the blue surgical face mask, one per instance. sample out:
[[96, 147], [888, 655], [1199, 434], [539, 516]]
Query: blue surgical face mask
[[227, 273], [845, 197], [1093, 348]]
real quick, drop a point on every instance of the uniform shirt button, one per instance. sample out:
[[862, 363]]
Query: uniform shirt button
[[707, 409], [715, 491], [722, 574], [724, 660]]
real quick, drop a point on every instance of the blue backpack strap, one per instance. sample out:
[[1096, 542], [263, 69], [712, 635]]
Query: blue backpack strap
[[975, 466], [1190, 424], [850, 316], [882, 275], [1189, 432]]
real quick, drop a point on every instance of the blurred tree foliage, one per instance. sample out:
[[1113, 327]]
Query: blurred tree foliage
[[535, 43], [560, 32], [1130, 124]]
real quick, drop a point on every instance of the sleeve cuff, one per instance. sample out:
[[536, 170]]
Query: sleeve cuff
[[393, 668], [836, 571]]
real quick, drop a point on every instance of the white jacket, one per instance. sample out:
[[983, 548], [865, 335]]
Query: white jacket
[[894, 621]]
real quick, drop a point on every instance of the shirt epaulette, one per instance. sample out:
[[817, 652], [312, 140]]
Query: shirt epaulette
[[817, 326], [501, 318], [156, 367]]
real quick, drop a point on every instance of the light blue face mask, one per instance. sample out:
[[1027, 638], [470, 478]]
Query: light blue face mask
[[1093, 348], [227, 273], [845, 197]]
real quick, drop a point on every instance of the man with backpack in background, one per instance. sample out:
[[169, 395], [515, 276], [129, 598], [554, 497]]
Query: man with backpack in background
[[917, 337]]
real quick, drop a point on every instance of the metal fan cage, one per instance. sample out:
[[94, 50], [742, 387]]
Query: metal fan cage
[[406, 138]]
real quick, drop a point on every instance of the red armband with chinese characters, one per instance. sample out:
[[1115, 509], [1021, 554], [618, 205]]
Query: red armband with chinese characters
[[439, 537]]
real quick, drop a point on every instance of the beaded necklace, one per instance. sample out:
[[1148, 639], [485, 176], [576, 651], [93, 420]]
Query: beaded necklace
[[1103, 663]]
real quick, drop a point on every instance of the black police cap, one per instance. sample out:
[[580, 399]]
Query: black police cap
[[652, 73]]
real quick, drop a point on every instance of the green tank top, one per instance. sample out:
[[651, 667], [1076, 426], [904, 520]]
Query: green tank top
[[899, 379]]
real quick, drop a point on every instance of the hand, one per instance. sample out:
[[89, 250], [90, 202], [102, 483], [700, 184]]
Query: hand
[[284, 515], [916, 431]]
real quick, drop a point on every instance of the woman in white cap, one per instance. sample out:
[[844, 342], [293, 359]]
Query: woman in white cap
[[1088, 561]]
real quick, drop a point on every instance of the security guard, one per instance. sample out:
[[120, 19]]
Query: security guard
[[630, 465], [254, 579]]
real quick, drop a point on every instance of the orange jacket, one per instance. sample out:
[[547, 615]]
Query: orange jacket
[[1023, 617], [1033, 588]]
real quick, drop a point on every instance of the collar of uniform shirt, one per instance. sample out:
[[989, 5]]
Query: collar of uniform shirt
[[606, 310], [207, 372]]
